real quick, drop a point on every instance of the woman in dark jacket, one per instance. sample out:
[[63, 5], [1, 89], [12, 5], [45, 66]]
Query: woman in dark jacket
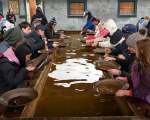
[[10, 16], [13, 67], [49, 30], [131, 41], [39, 16]]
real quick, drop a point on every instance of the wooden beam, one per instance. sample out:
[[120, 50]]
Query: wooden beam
[[32, 5]]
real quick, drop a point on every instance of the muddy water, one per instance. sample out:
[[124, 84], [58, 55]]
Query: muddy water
[[68, 91]]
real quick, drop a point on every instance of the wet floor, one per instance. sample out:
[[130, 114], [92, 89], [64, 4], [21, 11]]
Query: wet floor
[[68, 91]]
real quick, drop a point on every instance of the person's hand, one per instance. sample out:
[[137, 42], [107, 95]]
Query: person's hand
[[45, 42], [108, 50], [121, 93], [121, 78], [114, 71], [95, 44], [121, 56], [110, 59], [89, 41], [30, 68], [85, 38], [55, 45], [13, 19], [62, 37], [90, 31]]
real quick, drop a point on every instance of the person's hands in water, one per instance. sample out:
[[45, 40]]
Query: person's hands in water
[[55, 45], [30, 68], [95, 44], [121, 78], [85, 38], [121, 56], [89, 41], [110, 59], [121, 93], [108, 50], [114, 71]]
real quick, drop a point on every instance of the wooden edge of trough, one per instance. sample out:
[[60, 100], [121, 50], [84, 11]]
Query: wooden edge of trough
[[82, 118], [30, 109]]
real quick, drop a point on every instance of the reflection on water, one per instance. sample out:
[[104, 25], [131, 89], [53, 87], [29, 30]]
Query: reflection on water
[[79, 70], [68, 91]]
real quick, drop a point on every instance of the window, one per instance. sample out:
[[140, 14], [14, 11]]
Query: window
[[127, 8], [76, 8]]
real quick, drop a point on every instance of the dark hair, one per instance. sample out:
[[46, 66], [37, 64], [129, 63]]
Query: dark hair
[[21, 52], [50, 25], [38, 10], [24, 25], [89, 14], [93, 19], [9, 12]]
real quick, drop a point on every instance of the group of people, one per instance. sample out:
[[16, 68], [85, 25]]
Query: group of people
[[20, 44], [131, 48]]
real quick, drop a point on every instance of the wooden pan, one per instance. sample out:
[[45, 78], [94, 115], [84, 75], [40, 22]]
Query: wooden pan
[[114, 65], [18, 97], [62, 44], [83, 40], [50, 51], [87, 45], [122, 84], [67, 37], [37, 62], [100, 50], [54, 40]]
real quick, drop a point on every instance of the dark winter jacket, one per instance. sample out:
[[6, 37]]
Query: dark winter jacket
[[48, 33], [32, 28], [10, 16], [141, 83], [40, 17], [38, 38], [89, 25], [126, 63], [10, 72], [121, 49], [35, 45]]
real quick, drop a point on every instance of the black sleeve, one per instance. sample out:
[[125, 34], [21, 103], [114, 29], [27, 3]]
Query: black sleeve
[[10, 75], [125, 62], [38, 45], [44, 20], [33, 17], [7, 17], [15, 18], [126, 74], [49, 35]]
